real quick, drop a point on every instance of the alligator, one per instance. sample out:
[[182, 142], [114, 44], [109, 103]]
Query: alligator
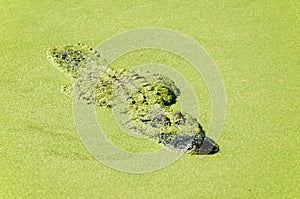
[[147, 103]]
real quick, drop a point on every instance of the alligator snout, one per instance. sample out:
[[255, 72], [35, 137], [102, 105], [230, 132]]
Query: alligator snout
[[204, 146], [196, 144]]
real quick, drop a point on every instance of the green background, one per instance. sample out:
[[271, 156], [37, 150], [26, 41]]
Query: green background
[[255, 45]]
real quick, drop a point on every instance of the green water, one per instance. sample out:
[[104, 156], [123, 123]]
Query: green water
[[256, 48]]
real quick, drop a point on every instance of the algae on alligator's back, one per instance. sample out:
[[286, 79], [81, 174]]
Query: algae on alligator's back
[[144, 105]]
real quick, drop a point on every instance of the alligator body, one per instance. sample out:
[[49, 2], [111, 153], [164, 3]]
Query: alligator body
[[145, 104]]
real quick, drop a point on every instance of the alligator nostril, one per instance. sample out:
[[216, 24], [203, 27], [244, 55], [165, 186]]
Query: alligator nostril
[[215, 149]]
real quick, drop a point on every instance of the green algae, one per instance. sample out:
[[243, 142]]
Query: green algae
[[255, 45]]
